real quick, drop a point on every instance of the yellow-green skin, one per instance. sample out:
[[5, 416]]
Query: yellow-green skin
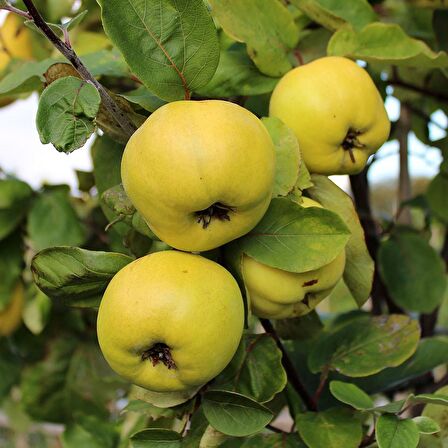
[[324, 99], [278, 294], [189, 155], [11, 316], [15, 42], [191, 304]]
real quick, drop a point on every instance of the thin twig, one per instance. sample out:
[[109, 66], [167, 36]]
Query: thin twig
[[404, 181], [118, 115], [437, 95], [293, 376], [17, 11], [322, 383]]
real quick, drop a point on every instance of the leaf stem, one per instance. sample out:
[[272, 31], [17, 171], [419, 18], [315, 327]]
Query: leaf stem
[[293, 376], [118, 115], [323, 381]]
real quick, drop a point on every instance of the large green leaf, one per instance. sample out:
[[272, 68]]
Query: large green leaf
[[359, 266], [75, 276], [266, 27], [288, 159], [366, 345], [282, 440], [334, 428], [52, 221], [430, 353], [171, 45], [15, 198], [392, 432], [237, 75], [386, 43], [413, 272], [235, 414], [256, 369], [66, 113], [333, 14], [295, 238]]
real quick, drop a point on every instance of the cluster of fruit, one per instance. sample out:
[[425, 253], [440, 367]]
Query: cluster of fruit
[[201, 173]]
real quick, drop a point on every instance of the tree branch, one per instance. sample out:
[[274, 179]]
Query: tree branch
[[293, 376], [437, 95], [404, 181], [119, 116], [360, 188]]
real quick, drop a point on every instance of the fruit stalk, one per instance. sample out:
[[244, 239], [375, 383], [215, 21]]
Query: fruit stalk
[[119, 116]]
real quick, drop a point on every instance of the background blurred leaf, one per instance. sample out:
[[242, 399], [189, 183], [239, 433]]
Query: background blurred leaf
[[437, 195], [154, 438], [52, 210], [413, 272], [11, 261], [266, 27], [172, 46]]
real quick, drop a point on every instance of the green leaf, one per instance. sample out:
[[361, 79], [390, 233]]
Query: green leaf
[[304, 327], [439, 414], [439, 20], [386, 43], [426, 425], [438, 398], [288, 159], [144, 98], [89, 431], [351, 394], [15, 197], [436, 195], [391, 432], [366, 345], [235, 414], [333, 14], [76, 277], [283, 440], [237, 75], [430, 353], [266, 27], [171, 45], [37, 310], [413, 272], [256, 369], [11, 259], [295, 238], [156, 437], [359, 266], [53, 210], [333, 428], [66, 113]]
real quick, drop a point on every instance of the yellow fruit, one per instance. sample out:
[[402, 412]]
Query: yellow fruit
[[201, 173], [170, 321], [278, 294], [11, 316], [336, 112]]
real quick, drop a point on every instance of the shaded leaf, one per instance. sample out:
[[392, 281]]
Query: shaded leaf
[[235, 414], [333, 428], [171, 45], [436, 196], [144, 98], [439, 414], [391, 432], [53, 210], [333, 14], [237, 75], [10, 267], [66, 113], [366, 345], [426, 425], [359, 266], [304, 327], [75, 276], [413, 272], [256, 369], [295, 238], [266, 441], [386, 43], [155, 437]]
